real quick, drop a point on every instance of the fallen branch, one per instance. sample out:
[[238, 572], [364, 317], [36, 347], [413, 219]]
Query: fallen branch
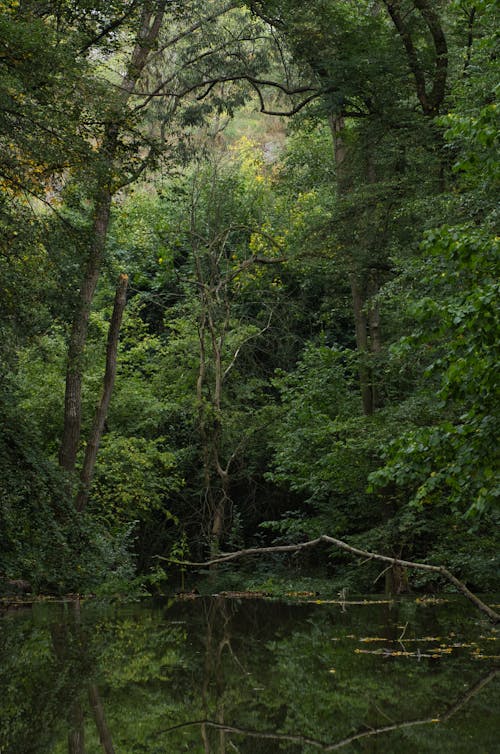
[[325, 539]]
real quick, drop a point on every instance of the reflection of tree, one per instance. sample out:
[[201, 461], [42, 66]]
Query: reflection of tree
[[443, 717], [69, 648], [218, 640], [100, 720], [258, 676], [76, 735], [69, 634]]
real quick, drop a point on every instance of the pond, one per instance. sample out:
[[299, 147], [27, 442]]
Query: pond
[[221, 675]]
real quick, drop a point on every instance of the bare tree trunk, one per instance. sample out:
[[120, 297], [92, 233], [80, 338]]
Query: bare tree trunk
[[220, 512], [101, 413], [210, 328], [205, 428]]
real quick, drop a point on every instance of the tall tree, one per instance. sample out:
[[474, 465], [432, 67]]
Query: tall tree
[[107, 184]]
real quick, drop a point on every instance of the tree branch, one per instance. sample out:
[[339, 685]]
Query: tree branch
[[288, 113], [325, 539], [194, 27], [111, 27], [207, 84], [433, 22], [430, 102], [411, 52]]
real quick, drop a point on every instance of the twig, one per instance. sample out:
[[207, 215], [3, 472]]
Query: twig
[[382, 573], [403, 631]]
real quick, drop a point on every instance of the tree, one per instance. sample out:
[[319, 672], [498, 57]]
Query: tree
[[258, 287], [148, 28], [126, 121], [222, 318]]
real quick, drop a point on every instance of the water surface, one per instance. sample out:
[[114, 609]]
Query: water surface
[[218, 675]]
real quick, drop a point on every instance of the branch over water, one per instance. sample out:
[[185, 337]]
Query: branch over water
[[325, 539]]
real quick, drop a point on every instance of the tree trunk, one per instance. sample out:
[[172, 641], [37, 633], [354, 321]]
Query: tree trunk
[[396, 580], [361, 331], [78, 337], [337, 124], [76, 736], [357, 293], [375, 340], [366, 313], [101, 413], [430, 101], [210, 420]]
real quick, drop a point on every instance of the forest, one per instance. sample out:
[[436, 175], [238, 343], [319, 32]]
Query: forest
[[249, 273]]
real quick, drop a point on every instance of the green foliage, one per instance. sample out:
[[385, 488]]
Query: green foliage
[[42, 88], [472, 123], [134, 478], [44, 540], [22, 256], [454, 461], [316, 404], [32, 537]]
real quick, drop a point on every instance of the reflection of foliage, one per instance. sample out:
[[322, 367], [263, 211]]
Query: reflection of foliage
[[309, 743], [293, 672], [138, 651], [44, 669]]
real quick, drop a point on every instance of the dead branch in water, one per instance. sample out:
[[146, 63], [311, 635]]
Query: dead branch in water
[[325, 539]]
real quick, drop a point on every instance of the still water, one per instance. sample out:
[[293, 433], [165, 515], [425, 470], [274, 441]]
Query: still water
[[221, 675]]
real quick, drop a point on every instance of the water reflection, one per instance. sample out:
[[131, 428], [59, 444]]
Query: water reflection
[[336, 746], [217, 676]]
